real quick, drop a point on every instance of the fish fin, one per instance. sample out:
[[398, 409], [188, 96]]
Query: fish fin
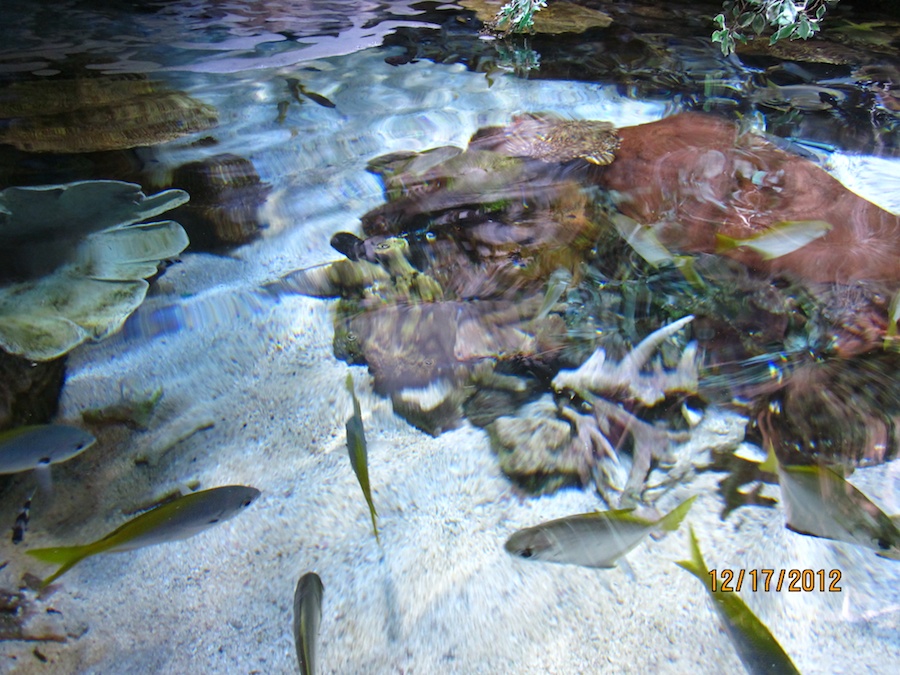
[[725, 243], [770, 464], [672, 520], [65, 556], [696, 565]]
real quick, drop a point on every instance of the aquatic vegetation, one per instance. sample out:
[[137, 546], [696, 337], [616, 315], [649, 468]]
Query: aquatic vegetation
[[790, 19], [307, 616], [591, 539], [536, 16], [758, 650], [32, 447], [177, 519], [75, 259]]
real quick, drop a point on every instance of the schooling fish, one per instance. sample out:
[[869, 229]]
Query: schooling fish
[[307, 616], [178, 519], [356, 446], [33, 447], [778, 240], [822, 503], [758, 650], [591, 539]]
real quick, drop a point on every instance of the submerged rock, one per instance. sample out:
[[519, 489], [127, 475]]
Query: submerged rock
[[226, 195], [29, 391], [99, 113]]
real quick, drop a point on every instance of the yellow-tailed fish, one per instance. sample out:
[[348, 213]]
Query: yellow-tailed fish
[[758, 650], [307, 616], [356, 446], [37, 446], [822, 503], [780, 239], [591, 539], [296, 88], [893, 318], [642, 239], [556, 286], [178, 519]]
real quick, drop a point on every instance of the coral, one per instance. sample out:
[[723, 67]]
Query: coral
[[78, 257]]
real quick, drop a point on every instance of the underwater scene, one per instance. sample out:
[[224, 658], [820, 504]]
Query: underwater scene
[[449, 337]]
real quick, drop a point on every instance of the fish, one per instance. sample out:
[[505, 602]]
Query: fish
[[779, 240], [296, 88], [21, 524], [758, 650], [359, 460], [820, 502], [178, 519], [40, 445], [591, 539], [642, 239], [556, 286], [307, 616]]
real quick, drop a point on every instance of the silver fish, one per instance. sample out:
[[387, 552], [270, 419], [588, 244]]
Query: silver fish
[[591, 539], [307, 616], [758, 650], [178, 519], [821, 503], [37, 446]]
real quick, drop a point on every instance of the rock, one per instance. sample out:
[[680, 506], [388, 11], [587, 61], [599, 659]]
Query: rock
[[226, 194], [93, 114], [29, 391]]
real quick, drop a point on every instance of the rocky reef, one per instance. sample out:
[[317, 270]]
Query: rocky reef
[[564, 284]]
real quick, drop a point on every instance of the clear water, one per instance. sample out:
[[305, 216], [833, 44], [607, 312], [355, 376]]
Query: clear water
[[253, 394]]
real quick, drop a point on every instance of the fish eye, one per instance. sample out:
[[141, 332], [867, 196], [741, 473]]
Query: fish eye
[[428, 362], [351, 337], [247, 502], [213, 521], [527, 552], [383, 246], [882, 543], [43, 461]]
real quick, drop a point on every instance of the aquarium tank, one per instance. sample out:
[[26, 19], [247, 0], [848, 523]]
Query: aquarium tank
[[540, 336]]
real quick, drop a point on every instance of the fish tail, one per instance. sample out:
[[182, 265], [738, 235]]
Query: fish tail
[[672, 520], [696, 565], [770, 465], [726, 243], [65, 556]]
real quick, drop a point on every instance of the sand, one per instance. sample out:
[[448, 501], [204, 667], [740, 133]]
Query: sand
[[253, 395]]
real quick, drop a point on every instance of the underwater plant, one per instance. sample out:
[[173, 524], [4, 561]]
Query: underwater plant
[[790, 20]]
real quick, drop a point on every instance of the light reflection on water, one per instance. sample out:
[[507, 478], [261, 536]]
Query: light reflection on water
[[253, 394]]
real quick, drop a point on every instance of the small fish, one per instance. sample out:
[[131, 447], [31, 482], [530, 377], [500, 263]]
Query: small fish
[[282, 111], [556, 286], [591, 539], [642, 239], [356, 446], [37, 446], [778, 240], [21, 524], [758, 650], [821, 503], [296, 89], [307, 616], [177, 519]]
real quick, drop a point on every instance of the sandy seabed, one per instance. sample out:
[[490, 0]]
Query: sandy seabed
[[253, 395]]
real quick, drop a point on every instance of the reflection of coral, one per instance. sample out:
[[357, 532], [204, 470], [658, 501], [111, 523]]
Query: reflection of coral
[[692, 176], [625, 378]]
